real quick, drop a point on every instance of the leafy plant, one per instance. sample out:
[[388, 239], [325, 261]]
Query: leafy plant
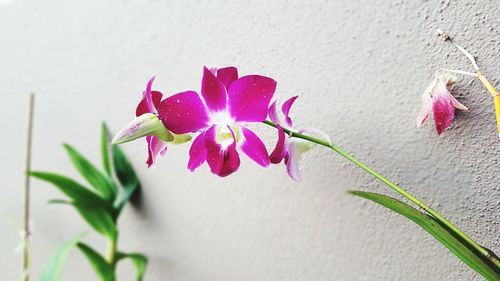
[[100, 206]]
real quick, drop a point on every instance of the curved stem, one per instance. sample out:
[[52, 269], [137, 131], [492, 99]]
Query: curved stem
[[456, 72], [392, 185], [494, 93], [469, 56]]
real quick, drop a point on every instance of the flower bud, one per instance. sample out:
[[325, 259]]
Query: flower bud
[[147, 124]]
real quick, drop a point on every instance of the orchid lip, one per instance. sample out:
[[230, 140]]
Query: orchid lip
[[226, 135], [227, 130]]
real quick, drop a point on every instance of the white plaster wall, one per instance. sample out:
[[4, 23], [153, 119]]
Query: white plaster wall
[[359, 68]]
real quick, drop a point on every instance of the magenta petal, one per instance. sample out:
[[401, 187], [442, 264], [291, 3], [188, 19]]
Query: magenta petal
[[249, 97], [183, 113], [147, 94], [286, 109], [147, 104], [444, 112], [197, 153], [273, 113], [213, 91], [254, 148], [222, 162], [143, 106], [279, 151], [155, 147], [227, 75]]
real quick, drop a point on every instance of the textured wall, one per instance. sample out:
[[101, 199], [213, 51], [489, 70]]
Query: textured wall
[[359, 70]]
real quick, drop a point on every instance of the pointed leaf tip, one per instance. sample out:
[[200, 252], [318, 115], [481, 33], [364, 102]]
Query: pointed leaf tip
[[99, 181]]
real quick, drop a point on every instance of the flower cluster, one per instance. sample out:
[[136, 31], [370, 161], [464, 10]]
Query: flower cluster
[[219, 116]]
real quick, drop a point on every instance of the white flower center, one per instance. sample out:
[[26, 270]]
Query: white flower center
[[225, 128]]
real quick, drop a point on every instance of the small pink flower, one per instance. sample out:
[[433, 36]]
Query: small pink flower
[[226, 105], [438, 99], [290, 149]]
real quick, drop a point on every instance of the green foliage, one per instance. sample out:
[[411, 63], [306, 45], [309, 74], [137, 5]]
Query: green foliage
[[99, 205], [105, 149], [76, 192], [104, 270], [55, 265], [126, 176], [440, 232], [100, 182], [99, 219], [140, 262]]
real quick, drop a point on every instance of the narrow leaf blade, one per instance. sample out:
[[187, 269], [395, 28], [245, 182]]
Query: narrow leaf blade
[[103, 269], [429, 224], [101, 183], [125, 174], [98, 219], [140, 261], [105, 149], [53, 269], [74, 190]]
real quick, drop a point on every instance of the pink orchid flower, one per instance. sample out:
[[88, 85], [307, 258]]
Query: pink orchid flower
[[438, 99], [226, 105], [290, 149], [149, 125]]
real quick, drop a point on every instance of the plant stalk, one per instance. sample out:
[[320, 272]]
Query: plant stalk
[[111, 252], [494, 93], [26, 222], [394, 186]]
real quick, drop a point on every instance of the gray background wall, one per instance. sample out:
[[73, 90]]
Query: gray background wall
[[359, 69]]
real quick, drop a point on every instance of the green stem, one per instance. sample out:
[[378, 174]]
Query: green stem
[[111, 253], [392, 185], [27, 260]]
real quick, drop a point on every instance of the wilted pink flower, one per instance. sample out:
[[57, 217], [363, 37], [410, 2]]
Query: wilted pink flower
[[227, 104], [438, 99], [287, 148]]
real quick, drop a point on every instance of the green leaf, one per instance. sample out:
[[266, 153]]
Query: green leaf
[[104, 270], [101, 183], [60, 201], [140, 262], [74, 190], [98, 213], [53, 269], [126, 176], [105, 149], [98, 218], [442, 234]]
